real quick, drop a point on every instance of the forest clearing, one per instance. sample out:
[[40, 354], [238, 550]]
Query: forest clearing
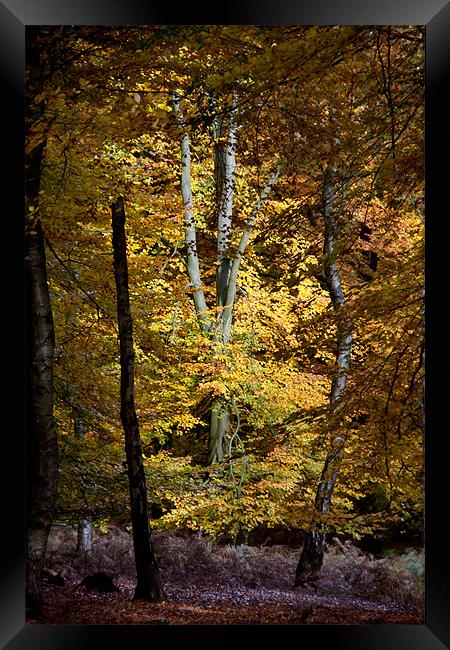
[[225, 324]]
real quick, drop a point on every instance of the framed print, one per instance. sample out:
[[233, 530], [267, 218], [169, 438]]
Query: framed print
[[235, 337]]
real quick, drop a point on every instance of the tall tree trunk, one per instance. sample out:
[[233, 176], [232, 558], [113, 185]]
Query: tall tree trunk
[[220, 414], [190, 237], [218, 423], [148, 585], [311, 558], [42, 448], [227, 314], [224, 167]]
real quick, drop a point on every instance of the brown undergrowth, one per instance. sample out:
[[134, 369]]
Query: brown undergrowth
[[211, 584]]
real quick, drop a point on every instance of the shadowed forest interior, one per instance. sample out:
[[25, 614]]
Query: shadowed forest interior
[[225, 324]]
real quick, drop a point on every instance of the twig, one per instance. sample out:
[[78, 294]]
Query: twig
[[100, 310]]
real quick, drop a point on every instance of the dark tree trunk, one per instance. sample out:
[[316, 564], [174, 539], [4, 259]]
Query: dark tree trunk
[[148, 585], [42, 448], [311, 558]]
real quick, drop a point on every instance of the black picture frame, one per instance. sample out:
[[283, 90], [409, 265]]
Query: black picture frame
[[15, 15]]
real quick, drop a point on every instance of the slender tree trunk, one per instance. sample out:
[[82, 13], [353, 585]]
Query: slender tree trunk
[[84, 530], [149, 585], [220, 415], [227, 314], [224, 167], [193, 266], [311, 558], [84, 537], [219, 421], [42, 448]]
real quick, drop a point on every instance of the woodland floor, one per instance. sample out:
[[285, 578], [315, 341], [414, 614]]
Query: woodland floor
[[207, 584]]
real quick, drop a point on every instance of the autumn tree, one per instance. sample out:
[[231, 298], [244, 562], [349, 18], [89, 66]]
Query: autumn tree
[[232, 312], [148, 586], [312, 555], [227, 262]]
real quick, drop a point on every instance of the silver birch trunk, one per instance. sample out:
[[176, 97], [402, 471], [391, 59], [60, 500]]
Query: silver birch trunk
[[224, 167], [220, 414], [84, 537], [192, 262], [227, 313]]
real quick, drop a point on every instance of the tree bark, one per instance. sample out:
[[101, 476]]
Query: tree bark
[[84, 537], [224, 164], [193, 265], [224, 167], [218, 430], [148, 584], [84, 530], [42, 447], [311, 558], [227, 313]]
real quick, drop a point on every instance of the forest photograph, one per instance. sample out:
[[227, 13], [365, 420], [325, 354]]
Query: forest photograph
[[224, 260]]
